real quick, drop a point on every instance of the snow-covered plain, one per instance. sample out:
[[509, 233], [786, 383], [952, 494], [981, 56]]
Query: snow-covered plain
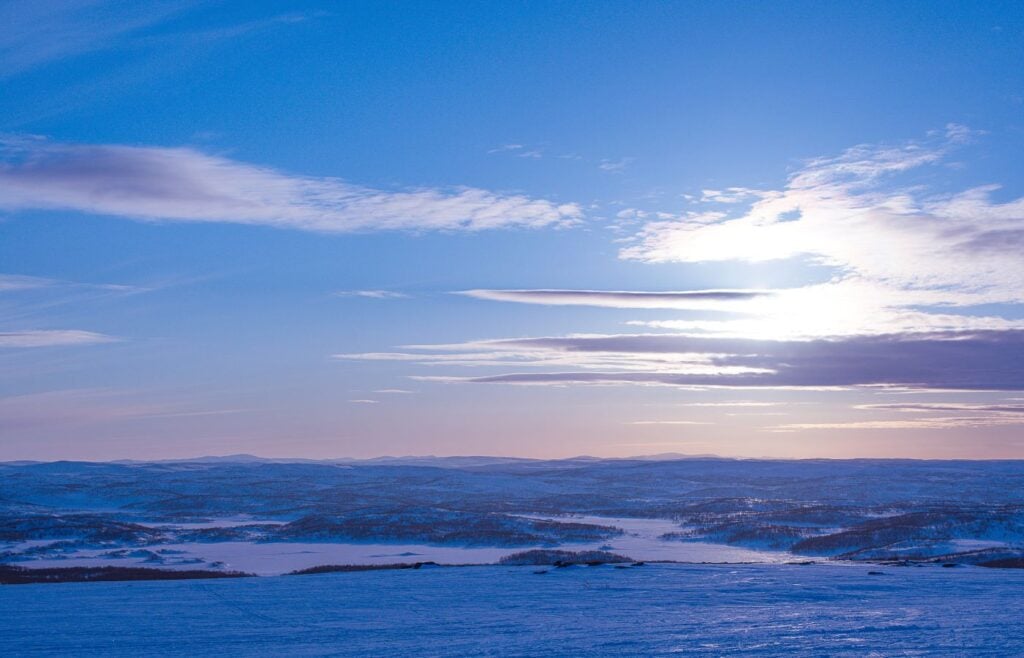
[[818, 610], [269, 517]]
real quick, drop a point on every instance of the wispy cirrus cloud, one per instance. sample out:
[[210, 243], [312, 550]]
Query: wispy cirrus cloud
[[183, 184], [505, 148], [669, 422], [40, 32], [372, 294], [946, 415], [543, 152], [732, 403], [27, 300], [87, 406], [956, 407], [19, 282], [614, 166], [52, 338], [686, 299], [913, 424], [540, 353], [734, 195], [44, 32]]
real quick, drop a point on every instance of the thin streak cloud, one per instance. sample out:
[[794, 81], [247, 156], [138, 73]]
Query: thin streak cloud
[[978, 361], [955, 407], [372, 294], [52, 338], [920, 423], [685, 299], [669, 422], [38, 33]]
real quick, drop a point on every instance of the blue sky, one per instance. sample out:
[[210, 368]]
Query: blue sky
[[538, 229]]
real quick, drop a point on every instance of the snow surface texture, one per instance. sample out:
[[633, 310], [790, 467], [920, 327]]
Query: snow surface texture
[[760, 610]]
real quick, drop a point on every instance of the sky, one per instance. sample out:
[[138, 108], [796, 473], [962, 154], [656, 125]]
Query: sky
[[537, 229]]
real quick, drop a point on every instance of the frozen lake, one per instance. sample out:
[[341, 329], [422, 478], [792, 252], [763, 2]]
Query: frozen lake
[[767, 609], [640, 541]]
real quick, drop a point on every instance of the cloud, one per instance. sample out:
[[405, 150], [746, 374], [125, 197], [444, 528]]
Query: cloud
[[853, 218], [40, 32], [541, 152], [519, 150], [534, 353], [371, 294], [870, 215], [12, 282], [980, 415], [919, 423], [737, 403], [838, 308], [688, 299], [392, 391], [52, 338], [86, 406], [982, 360], [23, 297], [363, 401], [614, 166], [183, 184], [669, 422], [949, 406], [733, 195], [18, 282]]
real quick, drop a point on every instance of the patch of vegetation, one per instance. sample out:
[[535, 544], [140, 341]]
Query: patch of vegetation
[[1005, 563], [562, 558], [346, 568], [436, 525], [11, 575]]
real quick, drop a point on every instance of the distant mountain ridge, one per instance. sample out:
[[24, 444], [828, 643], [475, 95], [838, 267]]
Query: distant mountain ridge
[[452, 460]]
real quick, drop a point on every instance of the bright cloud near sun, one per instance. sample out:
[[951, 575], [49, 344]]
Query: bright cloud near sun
[[895, 245]]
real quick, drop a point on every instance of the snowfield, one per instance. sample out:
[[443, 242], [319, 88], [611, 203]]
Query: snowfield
[[662, 609]]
